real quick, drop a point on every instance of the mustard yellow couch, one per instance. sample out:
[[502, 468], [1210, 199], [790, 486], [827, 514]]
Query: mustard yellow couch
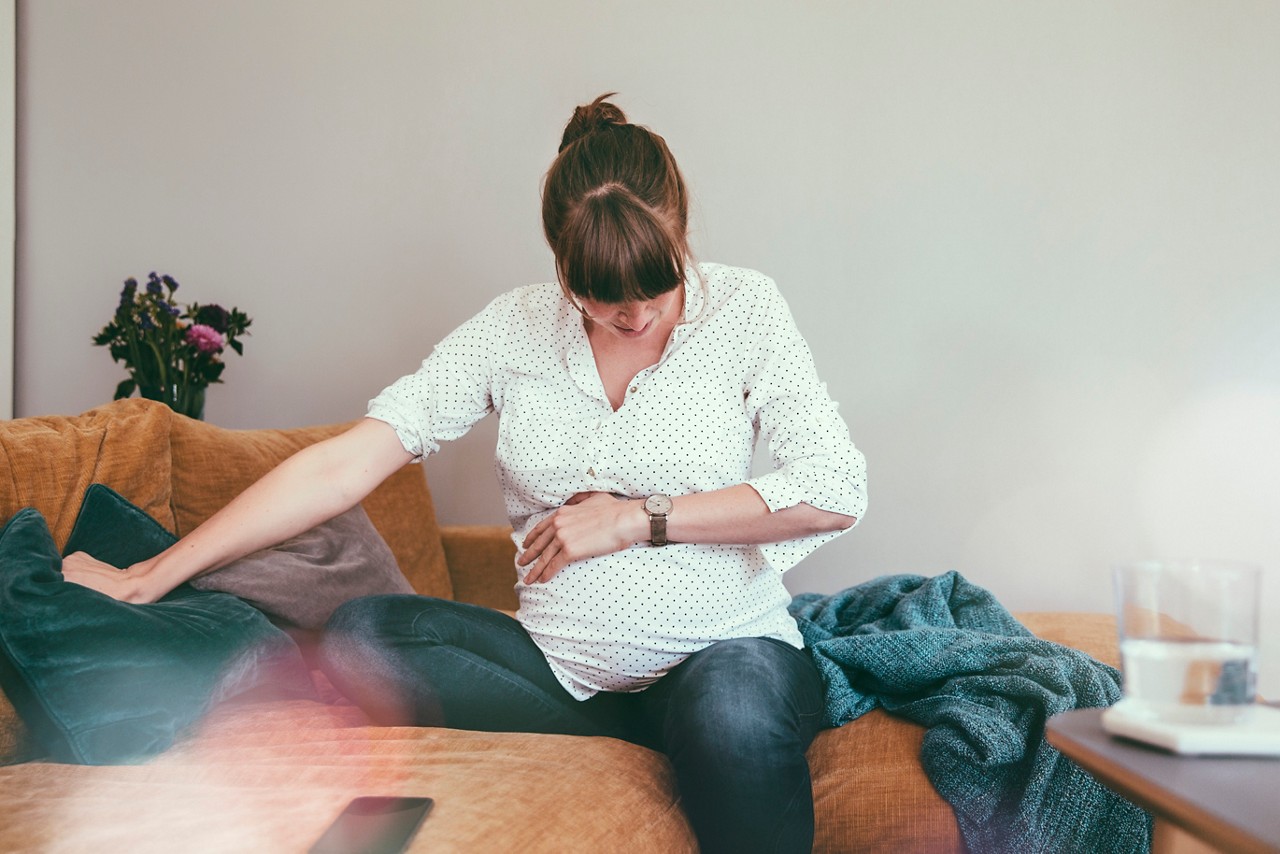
[[270, 775]]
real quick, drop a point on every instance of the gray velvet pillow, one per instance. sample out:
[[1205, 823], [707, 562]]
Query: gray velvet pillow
[[302, 580]]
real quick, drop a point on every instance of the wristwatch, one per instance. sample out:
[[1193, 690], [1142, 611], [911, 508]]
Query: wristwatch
[[657, 506]]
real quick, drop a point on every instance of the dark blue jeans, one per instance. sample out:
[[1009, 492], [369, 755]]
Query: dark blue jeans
[[735, 718]]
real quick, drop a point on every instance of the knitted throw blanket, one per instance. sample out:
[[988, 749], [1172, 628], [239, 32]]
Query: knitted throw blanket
[[942, 652]]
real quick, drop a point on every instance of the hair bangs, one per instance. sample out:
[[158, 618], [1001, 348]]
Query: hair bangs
[[617, 249]]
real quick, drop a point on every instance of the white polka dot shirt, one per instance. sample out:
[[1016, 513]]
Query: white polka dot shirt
[[735, 371]]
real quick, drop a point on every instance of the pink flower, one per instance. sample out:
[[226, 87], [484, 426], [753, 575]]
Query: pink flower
[[204, 338]]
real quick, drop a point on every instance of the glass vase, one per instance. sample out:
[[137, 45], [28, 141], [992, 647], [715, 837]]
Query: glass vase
[[187, 400]]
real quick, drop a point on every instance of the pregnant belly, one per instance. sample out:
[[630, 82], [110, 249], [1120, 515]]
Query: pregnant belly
[[620, 621]]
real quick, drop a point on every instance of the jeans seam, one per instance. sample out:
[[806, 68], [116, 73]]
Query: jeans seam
[[791, 803], [499, 625], [537, 695]]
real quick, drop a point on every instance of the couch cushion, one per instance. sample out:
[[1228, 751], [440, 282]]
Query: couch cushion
[[211, 465], [48, 462], [271, 777], [870, 792], [100, 681], [15, 738]]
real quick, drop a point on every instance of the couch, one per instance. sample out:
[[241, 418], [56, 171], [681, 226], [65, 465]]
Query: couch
[[268, 773]]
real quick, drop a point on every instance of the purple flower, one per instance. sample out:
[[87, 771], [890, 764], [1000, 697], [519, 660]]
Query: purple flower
[[206, 339], [130, 288], [154, 286]]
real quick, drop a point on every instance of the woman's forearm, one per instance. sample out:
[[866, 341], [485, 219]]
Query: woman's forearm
[[315, 484], [595, 523], [310, 487], [738, 515]]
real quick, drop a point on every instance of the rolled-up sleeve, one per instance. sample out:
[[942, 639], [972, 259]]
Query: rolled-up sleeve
[[447, 395], [813, 458]]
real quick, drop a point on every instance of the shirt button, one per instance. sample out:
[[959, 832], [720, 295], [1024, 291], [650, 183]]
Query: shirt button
[[632, 390], [591, 472]]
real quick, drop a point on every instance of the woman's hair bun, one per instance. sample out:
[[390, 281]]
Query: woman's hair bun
[[590, 118]]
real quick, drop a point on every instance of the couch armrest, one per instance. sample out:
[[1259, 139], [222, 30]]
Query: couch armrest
[[481, 560]]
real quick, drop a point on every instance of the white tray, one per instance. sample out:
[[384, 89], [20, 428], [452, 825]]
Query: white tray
[[1257, 736]]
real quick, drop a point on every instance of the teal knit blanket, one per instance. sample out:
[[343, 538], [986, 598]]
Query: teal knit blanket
[[942, 652]]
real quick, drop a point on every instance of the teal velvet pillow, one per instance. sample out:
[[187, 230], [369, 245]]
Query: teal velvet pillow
[[115, 531], [98, 681]]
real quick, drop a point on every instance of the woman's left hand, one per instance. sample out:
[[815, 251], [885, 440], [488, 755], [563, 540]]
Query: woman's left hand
[[589, 524]]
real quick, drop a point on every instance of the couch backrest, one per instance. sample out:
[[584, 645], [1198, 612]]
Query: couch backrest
[[48, 462]]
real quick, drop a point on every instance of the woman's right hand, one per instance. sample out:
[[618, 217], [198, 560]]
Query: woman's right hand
[[123, 584]]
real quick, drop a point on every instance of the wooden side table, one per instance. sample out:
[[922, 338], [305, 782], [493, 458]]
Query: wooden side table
[[1232, 803]]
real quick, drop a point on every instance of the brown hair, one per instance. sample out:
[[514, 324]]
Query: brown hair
[[614, 208]]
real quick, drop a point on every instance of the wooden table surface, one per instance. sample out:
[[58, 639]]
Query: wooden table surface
[[1231, 802]]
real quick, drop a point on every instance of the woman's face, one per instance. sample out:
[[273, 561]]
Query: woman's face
[[636, 320]]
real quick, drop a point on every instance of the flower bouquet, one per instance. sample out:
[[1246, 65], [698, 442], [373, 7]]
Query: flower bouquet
[[172, 352]]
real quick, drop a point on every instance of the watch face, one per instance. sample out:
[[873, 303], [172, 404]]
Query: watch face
[[659, 505]]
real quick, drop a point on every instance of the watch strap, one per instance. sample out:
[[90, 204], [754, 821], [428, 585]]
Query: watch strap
[[657, 529]]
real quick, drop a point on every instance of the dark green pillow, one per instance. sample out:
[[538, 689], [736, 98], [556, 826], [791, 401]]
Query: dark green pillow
[[115, 531], [98, 681]]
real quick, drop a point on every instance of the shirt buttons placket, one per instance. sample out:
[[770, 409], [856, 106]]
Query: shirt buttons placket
[[596, 426]]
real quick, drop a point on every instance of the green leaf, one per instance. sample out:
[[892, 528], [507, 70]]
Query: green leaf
[[125, 389]]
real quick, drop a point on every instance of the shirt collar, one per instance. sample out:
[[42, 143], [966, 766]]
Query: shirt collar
[[694, 295]]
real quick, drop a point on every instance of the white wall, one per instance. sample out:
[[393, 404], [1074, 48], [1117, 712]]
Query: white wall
[[1034, 245], [8, 91]]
